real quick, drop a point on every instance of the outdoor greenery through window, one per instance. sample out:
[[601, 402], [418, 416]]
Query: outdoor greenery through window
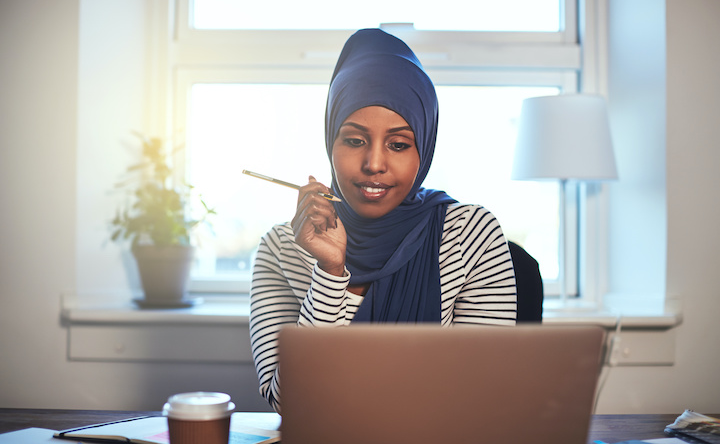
[[265, 113]]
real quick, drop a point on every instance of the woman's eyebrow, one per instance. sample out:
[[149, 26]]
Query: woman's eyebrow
[[400, 128], [356, 125], [391, 130]]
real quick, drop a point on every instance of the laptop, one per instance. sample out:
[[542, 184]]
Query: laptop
[[418, 384]]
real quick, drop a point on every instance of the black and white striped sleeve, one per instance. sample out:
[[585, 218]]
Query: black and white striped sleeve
[[273, 305], [328, 303], [289, 289], [476, 269]]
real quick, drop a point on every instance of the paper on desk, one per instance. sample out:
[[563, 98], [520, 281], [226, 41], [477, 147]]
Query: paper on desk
[[653, 441], [28, 436], [665, 441], [245, 428], [254, 423]]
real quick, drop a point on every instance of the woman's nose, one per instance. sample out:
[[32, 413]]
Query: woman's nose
[[375, 160]]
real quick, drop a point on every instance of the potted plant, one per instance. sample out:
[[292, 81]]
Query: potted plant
[[158, 226]]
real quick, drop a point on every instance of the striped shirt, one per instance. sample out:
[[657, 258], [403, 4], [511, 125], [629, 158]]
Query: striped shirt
[[477, 283]]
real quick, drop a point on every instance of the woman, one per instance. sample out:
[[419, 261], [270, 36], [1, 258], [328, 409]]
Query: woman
[[391, 251]]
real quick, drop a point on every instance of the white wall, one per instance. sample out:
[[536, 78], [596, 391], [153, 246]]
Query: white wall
[[64, 101], [71, 91], [693, 178], [38, 109], [688, 92], [111, 103]]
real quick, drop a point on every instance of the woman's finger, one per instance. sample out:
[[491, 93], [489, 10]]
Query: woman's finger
[[317, 211], [312, 187]]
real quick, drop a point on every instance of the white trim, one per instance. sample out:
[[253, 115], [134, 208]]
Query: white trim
[[569, 11], [593, 216], [185, 77], [593, 22], [481, 55]]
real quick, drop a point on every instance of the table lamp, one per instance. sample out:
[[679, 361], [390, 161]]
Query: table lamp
[[564, 137]]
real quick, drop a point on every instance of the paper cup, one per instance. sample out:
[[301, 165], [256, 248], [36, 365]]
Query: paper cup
[[199, 418]]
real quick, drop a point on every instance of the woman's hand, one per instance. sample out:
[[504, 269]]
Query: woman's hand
[[318, 229]]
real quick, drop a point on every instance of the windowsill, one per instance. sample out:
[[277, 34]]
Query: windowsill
[[216, 331], [212, 310], [629, 311], [633, 312], [116, 330]]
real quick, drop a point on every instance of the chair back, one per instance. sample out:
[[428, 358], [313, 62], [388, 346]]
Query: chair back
[[530, 293]]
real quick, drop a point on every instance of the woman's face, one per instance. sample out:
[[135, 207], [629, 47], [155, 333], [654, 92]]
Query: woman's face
[[375, 160]]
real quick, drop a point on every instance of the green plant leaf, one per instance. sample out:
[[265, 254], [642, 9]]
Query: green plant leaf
[[157, 211]]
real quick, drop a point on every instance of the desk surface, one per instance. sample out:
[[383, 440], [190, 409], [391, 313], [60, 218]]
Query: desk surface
[[608, 428]]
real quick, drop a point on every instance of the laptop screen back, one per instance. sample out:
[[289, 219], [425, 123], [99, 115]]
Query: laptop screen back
[[427, 384]]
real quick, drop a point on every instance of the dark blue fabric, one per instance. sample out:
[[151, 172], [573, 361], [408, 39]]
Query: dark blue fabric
[[399, 252]]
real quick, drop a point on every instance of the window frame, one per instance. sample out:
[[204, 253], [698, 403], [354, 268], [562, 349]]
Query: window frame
[[476, 58], [185, 32]]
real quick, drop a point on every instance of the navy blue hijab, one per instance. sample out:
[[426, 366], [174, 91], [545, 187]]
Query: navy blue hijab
[[397, 253]]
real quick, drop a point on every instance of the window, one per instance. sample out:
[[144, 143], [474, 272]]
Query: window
[[479, 15], [251, 95]]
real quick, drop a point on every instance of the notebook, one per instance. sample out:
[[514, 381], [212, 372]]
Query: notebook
[[426, 384]]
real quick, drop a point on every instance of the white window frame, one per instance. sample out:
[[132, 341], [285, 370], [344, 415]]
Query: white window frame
[[191, 56], [186, 33]]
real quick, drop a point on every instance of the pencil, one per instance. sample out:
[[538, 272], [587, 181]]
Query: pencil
[[289, 185]]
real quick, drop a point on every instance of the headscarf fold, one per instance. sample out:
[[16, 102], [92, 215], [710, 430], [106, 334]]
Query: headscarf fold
[[397, 253]]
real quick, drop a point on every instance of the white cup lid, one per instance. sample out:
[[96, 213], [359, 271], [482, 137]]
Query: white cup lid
[[198, 406]]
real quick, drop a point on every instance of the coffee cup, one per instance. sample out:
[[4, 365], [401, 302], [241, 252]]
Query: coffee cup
[[199, 418]]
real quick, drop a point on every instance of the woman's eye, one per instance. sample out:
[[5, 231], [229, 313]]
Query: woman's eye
[[398, 146], [354, 142]]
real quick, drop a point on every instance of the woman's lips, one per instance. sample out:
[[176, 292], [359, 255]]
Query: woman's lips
[[373, 191]]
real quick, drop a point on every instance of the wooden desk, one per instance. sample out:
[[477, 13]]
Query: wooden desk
[[607, 428], [615, 428]]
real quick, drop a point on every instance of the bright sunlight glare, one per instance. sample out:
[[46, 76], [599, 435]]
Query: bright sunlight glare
[[451, 15], [277, 130]]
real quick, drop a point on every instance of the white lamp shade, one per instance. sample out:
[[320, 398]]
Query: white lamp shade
[[564, 137]]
